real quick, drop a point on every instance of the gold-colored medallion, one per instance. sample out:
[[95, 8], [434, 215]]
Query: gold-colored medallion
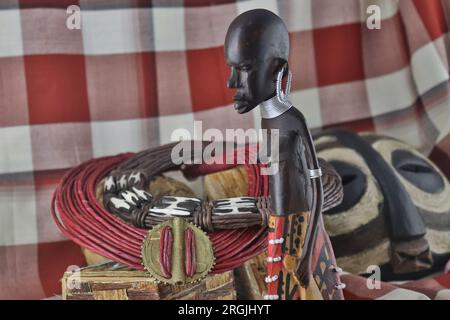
[[177, 252]]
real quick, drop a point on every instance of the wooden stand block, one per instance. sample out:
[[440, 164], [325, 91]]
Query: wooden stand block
[[249, 278], [109, 282]]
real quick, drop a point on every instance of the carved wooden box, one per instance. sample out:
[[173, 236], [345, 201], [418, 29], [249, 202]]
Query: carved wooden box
[[112, 282]]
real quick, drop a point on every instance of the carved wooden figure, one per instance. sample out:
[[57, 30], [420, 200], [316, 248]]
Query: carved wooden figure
[[257, 49]]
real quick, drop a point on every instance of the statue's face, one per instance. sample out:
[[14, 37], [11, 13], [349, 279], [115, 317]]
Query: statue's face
[[252, 75], [256, 48]]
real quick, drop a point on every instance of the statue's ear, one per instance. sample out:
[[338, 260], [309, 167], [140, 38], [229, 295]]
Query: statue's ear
[[278, 64]]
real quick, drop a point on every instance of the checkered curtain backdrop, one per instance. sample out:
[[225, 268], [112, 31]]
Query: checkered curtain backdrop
[[136, 70]]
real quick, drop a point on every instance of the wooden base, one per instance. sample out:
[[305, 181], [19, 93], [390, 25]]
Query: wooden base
[[110, 281]]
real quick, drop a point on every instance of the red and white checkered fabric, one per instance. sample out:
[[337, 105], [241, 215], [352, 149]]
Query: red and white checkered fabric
[[432, 288], [137, 69]]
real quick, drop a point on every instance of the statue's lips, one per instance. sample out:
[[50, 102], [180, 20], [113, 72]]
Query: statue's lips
[[240, 108], [238, 98], [240, 103]]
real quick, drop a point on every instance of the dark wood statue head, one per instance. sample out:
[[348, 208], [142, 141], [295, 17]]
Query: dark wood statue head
[[256, 49]]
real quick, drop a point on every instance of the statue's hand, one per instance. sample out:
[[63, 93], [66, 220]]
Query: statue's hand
[[124, 195]]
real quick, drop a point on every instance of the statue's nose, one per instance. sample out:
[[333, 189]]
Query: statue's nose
[[233, 81]]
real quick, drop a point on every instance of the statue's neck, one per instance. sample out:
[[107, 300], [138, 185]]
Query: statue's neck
[[272, 108]]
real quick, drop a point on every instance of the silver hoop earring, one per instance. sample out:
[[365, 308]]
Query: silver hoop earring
[[283, 96]]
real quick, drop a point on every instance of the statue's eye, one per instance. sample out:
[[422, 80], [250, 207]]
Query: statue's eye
[[245, 67], [418, 171]]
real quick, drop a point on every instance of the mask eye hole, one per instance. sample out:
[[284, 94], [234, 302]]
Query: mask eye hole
[[354, 182], [415, 168], [418, 171], [348, 178]]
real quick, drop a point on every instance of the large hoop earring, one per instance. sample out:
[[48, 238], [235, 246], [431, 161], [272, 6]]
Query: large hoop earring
[[283, 97]]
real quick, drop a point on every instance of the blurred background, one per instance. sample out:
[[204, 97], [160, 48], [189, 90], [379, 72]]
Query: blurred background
[[135, 70]]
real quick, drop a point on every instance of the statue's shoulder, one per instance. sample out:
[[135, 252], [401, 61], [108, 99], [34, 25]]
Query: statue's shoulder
[[297, 113], [293, 119]]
